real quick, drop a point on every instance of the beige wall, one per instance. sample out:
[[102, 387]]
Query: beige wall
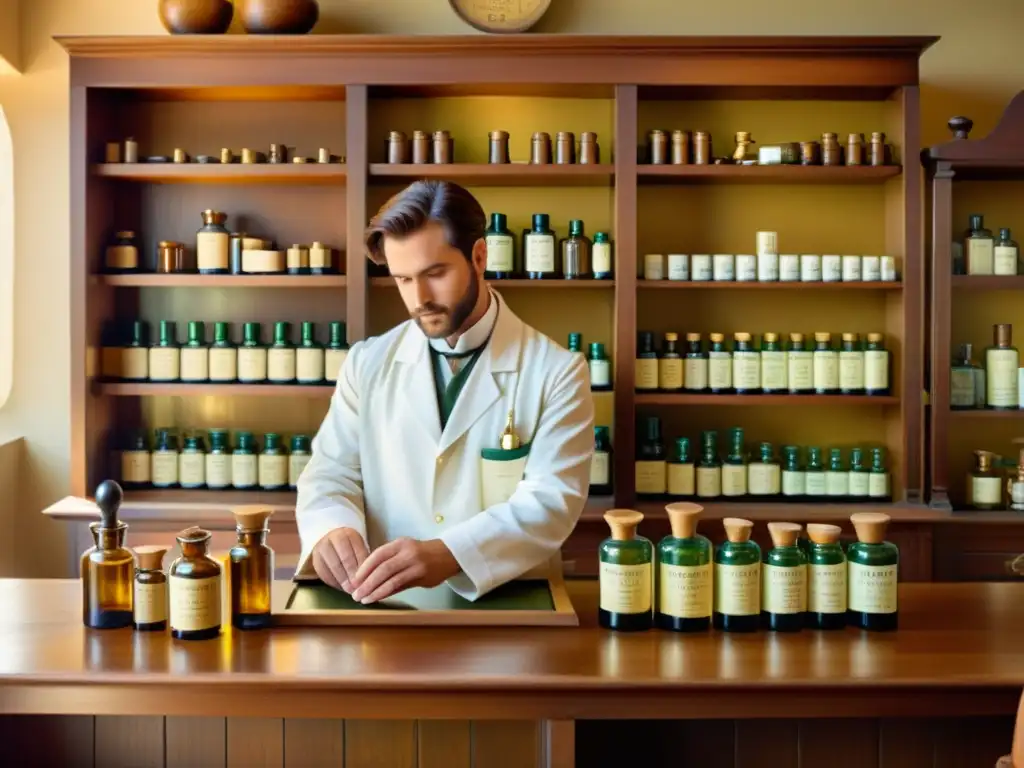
[[973, 70]]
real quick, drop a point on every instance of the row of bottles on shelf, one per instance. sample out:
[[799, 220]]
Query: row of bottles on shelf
[[995, 482], [439, 147], [128, 356], [763, 477], [543, 256], [979, 253], [854, 368], [127, 151], [122, 587], [681, 147], [687, 585], [997, 385], [218, 251], [186, 462]]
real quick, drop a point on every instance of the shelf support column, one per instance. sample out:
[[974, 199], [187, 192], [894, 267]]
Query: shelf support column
[[942, 269], [357, 284]]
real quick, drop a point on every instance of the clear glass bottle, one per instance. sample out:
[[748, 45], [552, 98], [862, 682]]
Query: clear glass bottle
[[539, 249], [272, 466], [670, 365], [764, 477], [966, 381], [851, 365], [685, 592], [826, 577], [501, 250], [737, 579], [873, 574], [164, 465], [281, 356], [985, 483], [746, 365], [576, 252], [1006, 260], [299, 457], [814, 476], [195, 355], [336, 352], [794, 478], [223, 355], [837, 476], [784, 580], [252, 568], [1002, 362], [218, 460], [165, 355], [106, 568], [709, 471], [651, 471], [244, 464], [774, 379], [859, 481], [879, 486], [734, 469], [192, 463], [799, 365], [252, 356], [195, 588], [876, 365], [150, 589], [695, 367], [309, 357], [646, 363], [826, 365], [719, 366], [603, 266], [979, 248], [626, 574], [681, 475], [600, 368]]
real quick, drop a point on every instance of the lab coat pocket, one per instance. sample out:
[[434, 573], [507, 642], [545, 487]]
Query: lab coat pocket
[[500, 473]]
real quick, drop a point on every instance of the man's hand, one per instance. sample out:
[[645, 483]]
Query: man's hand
[[337, 557], [400, 564]]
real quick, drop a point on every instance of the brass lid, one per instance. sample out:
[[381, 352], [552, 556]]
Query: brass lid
[[851, 336], [588, 136], [717, 337], [701, 134], [623, 522], [683, 516], [808, 144], [440, 135], [741, 336], [771, 336], [984, 460], [822, 533], [877, 136], [169, 244], [737, 529], [655, 132], [796, 337], [693, 336], [150, 557], [855, 137], [252, 517], [396, 136], [876, 336], [829, 136], [671, 336], [742, 135], [822, 336], [784, 534], [541, 136], [419, 135], [1003, 333], [498, 135], [126, 233], [565, 136], [870, 526], [678, 135]]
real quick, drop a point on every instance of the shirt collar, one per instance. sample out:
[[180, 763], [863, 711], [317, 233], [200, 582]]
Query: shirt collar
[[475, 336]]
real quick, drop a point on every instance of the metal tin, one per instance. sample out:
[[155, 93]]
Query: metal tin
[[207, 160], [590, 152], [443, 147], [113, 153], [131, 150], [878, 149], [420, 147], [180, 155], [831, 153], [248, 156], [498, 147], [323, 155], [680, 147], [226, 155], [398, 148], [565, 148], [235, 252], [657, 147], [702, 148], [855, 149], [170, 256], [810, 153], [540, 148], [278, 154]]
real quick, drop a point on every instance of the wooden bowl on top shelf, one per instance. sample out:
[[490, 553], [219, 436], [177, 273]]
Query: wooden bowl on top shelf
[[279, 17]]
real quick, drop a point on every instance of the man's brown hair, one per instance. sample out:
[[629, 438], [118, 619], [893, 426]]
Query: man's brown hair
[[422, 202]]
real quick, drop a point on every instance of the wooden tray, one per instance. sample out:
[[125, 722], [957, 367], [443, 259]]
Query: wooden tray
[[531, 602]]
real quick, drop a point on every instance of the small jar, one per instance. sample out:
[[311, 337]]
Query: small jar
[[870, 269], [213, 244], [565, 148], [498, 148], [131, 150], [420, 147], [700, 267], [323, 156], [851, 269], [122, 255], [170, 256], [702, 148], [113, 153], [680, 147], [195, 588], [831, 268], [789, 268], [273, 464], [654, 266], [244, 465], [443, 148], [810, 268], [724, 268], [831, 153], [878, 148], [888, 269], [321, 259], [590, 152], [855, 149], [657, 147], [746, 268], [150, 589], [540, 149], [298, 260], [398, 150], [226, 156], [678, 267], [810, 153]]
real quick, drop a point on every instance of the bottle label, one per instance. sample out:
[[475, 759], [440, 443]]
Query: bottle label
[[540, 253], [794, 483], [309, 364], [680, 480], [826, 588], [600, 373], [223, 364], [800, 365], [764, 479], [1005, 261], [499, 253], [164, 468], [164, 363], [979, 252], [298, 461], [837, 483], [135, 466], [122, 257], [252, 364], [709, 482], [212, 250], [626, 588], [734, 480], [860, 483], [738, 589], [191, 469], [851, 370], [135, 363], [650, 477], [273, 470], [601, 256], [218, 470], [872, 588], [333, 360], [654, 267], [814, 483], [876, 370], [962, 387], [243, 470], [773, 370], [878, 484], [600, 468], [826, 370], [719, 370], [746, 268], [1001, 374], [150, 604], [746, 370], [695, 373], [986, 490], [195, 603], [670, 373], [195, 364], [684, 591], [647, 373], [784, 589], [281, 364]]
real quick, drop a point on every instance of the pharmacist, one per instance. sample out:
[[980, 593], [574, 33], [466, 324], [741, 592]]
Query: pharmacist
[[457, 445]]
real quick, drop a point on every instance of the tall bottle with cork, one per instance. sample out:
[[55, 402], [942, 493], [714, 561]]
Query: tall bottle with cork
[[626, 574], [873, 569], [252, 568], [826, 578], [737, 579], [107, 568], [685, 588], [784, 580]]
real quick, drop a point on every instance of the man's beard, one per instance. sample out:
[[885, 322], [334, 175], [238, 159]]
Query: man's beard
[[454, 317]]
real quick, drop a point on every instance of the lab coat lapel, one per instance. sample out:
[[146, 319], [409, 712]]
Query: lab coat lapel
[[418, 391]]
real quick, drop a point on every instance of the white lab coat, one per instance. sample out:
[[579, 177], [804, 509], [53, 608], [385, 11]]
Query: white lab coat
[[382, 465]]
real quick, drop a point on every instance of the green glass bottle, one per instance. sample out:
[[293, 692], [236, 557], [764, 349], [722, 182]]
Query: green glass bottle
[[719, 366], [837, 477], [600, 368], [746, 365], [737, 579], [709, 471], [164, 466], [681, 470], [764, 476], [165, 355], [646, 363], [299, 457], [734, 470], [966, 381], [192, 463], [252, 356], [223, 355], [309, 357], [501, 251], [814, 476], [218, 461], [876, 365], [539, 255], [851, 365], [784, 580], [651, 471], [281, 356], [670, 365], [576, 342], [336, 352], [873, 595], [774, 379], [601, 463], [1007, 255], [794, 478], [695, 365], [826, 578], [601, 256], [626, 574], [684, 586], [244, 465], [826, 365], [272, 467], [859, 477], [195, 357], [878, 479], [135, 355], [799, 365]]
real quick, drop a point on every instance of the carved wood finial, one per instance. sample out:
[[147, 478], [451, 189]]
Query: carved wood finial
[[960, 126]]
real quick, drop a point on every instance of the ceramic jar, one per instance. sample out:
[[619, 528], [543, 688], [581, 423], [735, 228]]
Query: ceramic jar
[[279, 17], [196, 17]]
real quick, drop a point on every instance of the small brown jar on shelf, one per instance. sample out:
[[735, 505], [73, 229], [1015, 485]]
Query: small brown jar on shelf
[[420, 147], [252, 568], [590, 152], [498, 148], [150, 589], [540, 148], [831, 153], [680, 147], [855, 149], [195, 592], [398, 148], [565, 148], [702, 148], [170, 256], [444, 148], [878, 149], [810, 153], [657, 147]]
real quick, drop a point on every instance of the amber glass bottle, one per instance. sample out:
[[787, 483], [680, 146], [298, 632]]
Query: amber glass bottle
[[252, 568], [107, 567], [150, 589], [195, 588]]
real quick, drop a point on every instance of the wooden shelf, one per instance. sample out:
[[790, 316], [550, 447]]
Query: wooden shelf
[[789, 511], [988, 282], [219, 173], [181, 389], [984, 413], [187, 280], [498, 175], [752, 285], [669, 398], [388, 282], [768, 174]]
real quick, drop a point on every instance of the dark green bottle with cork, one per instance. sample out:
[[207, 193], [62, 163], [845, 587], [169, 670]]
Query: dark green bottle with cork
[[684, 589], [873, 575], [195, 357], [281, 356], [223, 355], [709, 470], [309, 357], [737, 579], [784, 585], [826, 577], [626, 574], [252, 356], [165, 355], [336, 352]]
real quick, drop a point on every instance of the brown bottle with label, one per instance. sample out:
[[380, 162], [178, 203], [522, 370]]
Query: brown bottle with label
[[195, 591], [107, 567], [252, 568], [150, 589]]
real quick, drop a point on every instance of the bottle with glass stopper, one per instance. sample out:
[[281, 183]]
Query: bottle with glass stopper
[[684, 588], [826, 577], [107, 568], [150, 589], [872, 574], [626, 574], [737, 579], [784, 582], [252, 568]]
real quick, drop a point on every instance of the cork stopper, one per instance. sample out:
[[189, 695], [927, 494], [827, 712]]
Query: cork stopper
[[717, 338], [623, 523], [822, 336], [671, 336], [1003, 334], [150, 557], [822, 533], [850, 336], [683, 516], [252, 517], [193, 535], [784, 534], [875, 337], [737, 529], [870, 526], [741, 336], [693, 337], [771, 337], [797, 337]]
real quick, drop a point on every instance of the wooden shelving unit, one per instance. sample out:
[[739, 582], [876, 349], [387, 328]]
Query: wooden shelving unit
[[184, 389], [750, 285], [767, 174], [217, 173], [671, 398], [187, 280]]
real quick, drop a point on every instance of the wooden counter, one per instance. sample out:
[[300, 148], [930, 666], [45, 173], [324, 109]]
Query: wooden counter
[[957, 654]]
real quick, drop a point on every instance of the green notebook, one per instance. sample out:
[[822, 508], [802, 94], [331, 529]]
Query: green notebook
[[525, 595]]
